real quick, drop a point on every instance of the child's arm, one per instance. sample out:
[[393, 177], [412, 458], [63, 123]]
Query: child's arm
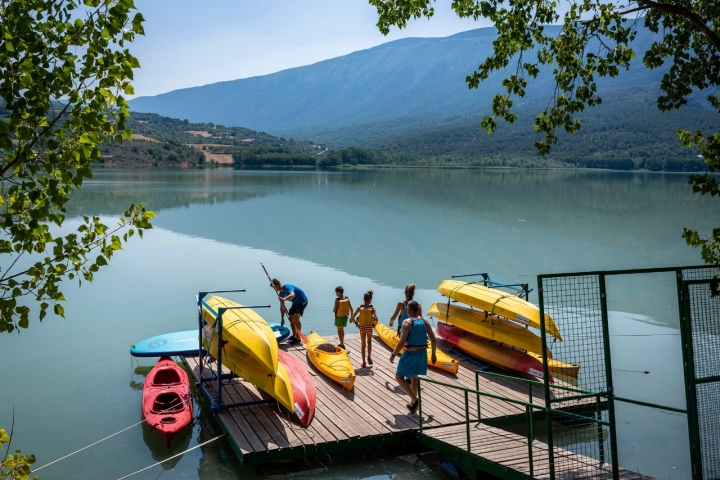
[[351, 312], [336, 306], [375, 316]]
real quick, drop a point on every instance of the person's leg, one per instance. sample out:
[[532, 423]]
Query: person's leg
[[295, 322], [341, 335], [362, 347], [369, 344], [405, 386]]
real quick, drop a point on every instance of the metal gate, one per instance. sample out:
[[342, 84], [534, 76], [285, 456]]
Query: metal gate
[[700, 326], [585, 424]]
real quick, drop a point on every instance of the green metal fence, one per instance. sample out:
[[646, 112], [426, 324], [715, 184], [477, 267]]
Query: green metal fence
[[701, 328], [578, 304]]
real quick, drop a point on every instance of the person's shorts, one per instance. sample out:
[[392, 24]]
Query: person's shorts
[[297, 308], [341, 321]]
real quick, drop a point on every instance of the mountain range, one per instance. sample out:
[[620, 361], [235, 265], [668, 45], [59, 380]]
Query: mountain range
[[396, 96]]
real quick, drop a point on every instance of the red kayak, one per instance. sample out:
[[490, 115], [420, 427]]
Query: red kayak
[[167, 403], [491, 352], [303, 387]]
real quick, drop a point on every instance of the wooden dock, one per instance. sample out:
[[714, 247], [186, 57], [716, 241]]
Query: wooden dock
[[374, 413]]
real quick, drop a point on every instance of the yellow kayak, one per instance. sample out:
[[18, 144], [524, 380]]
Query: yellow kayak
[[498, 302], [444, 362], [556, 366], [488, 326], [245, 330], [246, 367], [335, 364]]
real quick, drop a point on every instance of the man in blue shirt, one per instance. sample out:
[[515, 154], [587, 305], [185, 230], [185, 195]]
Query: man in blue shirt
[[299, 302]]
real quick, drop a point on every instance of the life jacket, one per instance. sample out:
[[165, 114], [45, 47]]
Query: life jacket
[[343, 309], [418, 334], [366, 316]]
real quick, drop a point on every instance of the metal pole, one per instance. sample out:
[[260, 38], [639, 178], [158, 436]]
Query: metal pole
[[218, 392], [477, 394], [690, 389], [546, 379], [530, 434], [600, 433], [608, 377], [420, 405], [467, 421]]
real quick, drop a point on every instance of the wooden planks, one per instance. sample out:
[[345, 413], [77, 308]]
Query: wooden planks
[[511, 451], [375, 408]]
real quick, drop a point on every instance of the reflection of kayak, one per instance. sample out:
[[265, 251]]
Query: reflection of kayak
[[246, 367], [491, 352], [332, 361], [303, 387], [488, 326], [556, 366], [166, 402], [245, 330], [444, 362], [498, 302]]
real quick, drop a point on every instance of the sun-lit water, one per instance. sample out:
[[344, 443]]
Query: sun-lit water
[[72, 381]]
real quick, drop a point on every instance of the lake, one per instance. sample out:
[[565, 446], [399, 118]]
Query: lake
[[72, 381]]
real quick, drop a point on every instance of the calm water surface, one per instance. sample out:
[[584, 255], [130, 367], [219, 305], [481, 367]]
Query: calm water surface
[[72, 381]]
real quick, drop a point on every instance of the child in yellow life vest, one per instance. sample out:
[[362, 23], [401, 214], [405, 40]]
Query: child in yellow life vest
[[366, 321], [342, 310]]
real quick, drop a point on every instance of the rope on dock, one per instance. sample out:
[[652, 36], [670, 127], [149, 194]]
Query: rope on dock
[[102, 440], [174, 456]]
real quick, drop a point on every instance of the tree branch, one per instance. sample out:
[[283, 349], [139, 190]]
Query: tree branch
[[688, 14]]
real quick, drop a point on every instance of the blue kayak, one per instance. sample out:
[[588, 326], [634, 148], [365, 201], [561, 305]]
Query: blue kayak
[[184, 343]]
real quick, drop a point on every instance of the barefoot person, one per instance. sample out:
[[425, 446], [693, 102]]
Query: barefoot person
[[401, 308], [413, 362], [299, 302], [342, 310], [367, 318]]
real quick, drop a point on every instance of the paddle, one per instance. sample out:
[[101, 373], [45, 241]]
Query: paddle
[[283, 309]]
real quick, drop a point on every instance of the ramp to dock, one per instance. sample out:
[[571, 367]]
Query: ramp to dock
[[506, 454], [372, 414]]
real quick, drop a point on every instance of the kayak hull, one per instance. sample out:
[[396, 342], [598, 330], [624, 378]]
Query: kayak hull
[[244, 330], [167, 405], [491, 352], [488, 326], [245, 366], [303, 387], [498, 302], [335, 365], [444, 361]]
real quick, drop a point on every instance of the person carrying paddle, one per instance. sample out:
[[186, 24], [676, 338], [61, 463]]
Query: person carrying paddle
[[299, 302], [342, 310], [367, 318], [413, 362], [401, 309]]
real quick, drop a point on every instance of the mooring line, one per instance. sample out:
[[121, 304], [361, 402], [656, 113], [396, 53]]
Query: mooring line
[[170, 458], [102, 440]]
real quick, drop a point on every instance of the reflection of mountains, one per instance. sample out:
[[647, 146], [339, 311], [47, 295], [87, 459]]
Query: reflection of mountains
[[552, 196], [112, 191]]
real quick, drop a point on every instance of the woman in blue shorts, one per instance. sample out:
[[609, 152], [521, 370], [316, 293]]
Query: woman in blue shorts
[[413, 362]]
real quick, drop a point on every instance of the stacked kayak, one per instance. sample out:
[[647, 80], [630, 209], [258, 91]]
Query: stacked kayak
[[501, 303], [494, 328], [444, 362], [492, 352], [331, 361], [250, 350]]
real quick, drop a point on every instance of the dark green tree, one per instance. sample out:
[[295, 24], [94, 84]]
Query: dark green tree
[[64, 68], [595, 41]]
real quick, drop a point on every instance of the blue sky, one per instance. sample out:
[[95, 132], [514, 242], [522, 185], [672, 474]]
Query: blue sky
[[190, 43]]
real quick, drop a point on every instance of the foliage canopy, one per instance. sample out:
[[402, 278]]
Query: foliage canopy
[[595, 41], [64, 70]]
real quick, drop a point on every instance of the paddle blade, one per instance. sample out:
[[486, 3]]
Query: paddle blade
[[302, 337]]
